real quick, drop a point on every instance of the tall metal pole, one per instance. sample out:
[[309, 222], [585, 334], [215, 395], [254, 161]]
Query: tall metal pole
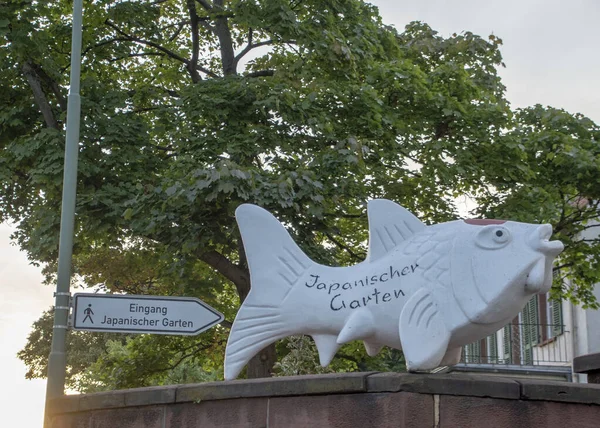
[[57, 359]]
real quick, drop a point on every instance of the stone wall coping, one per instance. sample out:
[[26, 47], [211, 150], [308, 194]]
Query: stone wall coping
[[337, 383], [587, 363]]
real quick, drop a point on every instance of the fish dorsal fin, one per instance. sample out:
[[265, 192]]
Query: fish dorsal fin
[[275, 262], [389, 226]]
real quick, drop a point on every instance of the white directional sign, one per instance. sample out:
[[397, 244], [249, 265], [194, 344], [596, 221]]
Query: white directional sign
[[143, 314]]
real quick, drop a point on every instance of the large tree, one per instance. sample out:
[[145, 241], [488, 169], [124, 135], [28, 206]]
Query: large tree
[[305, 107]]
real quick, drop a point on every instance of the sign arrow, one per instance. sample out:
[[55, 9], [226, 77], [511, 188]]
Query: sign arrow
[[115, 313]]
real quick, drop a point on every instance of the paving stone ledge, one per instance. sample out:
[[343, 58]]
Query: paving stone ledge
[[332, 384]]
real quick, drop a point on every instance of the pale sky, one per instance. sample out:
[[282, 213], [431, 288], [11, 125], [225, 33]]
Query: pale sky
[[552, 53], [22, 301], [551, 47]]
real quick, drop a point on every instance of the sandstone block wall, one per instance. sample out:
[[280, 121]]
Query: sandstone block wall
[[360, 400]]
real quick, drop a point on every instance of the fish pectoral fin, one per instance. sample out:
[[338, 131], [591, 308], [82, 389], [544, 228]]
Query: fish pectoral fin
[[452, 357], [423, 334], [372, 348], [360, 325], [327, 347]]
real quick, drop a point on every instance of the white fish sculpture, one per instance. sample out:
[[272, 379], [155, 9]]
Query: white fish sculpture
[[428, 290]]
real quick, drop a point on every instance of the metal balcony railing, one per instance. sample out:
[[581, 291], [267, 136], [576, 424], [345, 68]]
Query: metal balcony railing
[[521, 345]]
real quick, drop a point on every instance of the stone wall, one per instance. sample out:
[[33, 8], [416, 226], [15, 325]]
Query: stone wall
[[361, 400]]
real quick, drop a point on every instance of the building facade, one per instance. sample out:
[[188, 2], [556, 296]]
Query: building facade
[[540, 342]]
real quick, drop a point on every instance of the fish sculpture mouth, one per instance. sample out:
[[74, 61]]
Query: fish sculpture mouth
[[536, 278], [539, 239]]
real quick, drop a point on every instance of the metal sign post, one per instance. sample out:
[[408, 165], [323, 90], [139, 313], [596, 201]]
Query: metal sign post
[[113, 313], [57, 359]]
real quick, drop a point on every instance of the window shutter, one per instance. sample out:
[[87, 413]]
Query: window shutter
[[506, 342], [492, 349], [557, 318], [473, 353], [545, 317], [477, 351], [530, 329]]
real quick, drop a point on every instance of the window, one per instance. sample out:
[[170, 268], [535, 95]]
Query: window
[[506, 342], [555, 314], [531, 328], [473, 353], [512, 342], [540, 320], [551, 318], [492, 342]]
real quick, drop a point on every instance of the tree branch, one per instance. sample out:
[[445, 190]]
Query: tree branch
[[103, 43], [178, 31], [566, 265], [205, 4], [38, 94], [252, 45], [590, 226], [247, 48], [295, 4], [199, 348], [163, 148], [171, 92], [222, 31], [205, 24], [53, 85], [342, 215], [240, 277], [133, 55], [158, 47], [344, 247], [147, 43], [193, 64], [261, 73]]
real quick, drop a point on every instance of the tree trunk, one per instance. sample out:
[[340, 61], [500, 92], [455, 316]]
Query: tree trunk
[[227, 53], [261, 365], [39, 95]]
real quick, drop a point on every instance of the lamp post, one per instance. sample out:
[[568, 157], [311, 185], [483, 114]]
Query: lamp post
[[57, 358]]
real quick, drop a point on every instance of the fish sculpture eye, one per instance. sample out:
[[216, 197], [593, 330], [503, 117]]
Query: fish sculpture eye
[[493, 237]]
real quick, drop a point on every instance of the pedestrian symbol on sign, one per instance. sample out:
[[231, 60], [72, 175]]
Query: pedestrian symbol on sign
[[88, 313]]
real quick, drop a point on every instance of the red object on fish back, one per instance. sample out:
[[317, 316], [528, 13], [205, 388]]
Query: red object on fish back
[[483, 221]]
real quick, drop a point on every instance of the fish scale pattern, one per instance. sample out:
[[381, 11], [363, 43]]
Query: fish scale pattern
[[432, 251]]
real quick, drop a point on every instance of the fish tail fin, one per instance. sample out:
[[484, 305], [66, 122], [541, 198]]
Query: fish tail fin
[[254, 328], [276, 265]]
